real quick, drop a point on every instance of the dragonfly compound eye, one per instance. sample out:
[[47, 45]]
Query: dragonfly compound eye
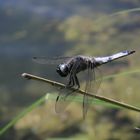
[[62, 69]]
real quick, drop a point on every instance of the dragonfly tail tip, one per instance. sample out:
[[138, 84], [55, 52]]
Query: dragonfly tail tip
[[131, 52]]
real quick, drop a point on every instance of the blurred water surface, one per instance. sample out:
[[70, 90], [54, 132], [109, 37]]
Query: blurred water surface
[[63, 28]]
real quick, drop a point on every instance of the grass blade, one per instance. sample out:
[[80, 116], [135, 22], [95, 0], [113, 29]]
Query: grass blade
[[22, 114]]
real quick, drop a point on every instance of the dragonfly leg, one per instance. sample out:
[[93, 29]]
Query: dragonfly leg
[[77, 82], [71, 81]]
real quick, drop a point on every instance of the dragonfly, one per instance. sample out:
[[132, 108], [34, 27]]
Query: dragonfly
[[71, 66]]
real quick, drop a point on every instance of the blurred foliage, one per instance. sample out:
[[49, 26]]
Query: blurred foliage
[[55, 28]]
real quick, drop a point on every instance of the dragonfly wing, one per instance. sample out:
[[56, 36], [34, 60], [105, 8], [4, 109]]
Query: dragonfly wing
[[64, 98], [96, 80], [66, 95], [53, 60], [86, 99], [93, 82]]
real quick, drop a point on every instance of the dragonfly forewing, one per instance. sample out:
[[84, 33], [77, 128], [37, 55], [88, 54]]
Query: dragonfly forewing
[[64, 98], [66, 95], [53, 60]]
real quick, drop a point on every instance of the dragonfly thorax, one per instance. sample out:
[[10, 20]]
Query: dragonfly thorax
[[63, 70]]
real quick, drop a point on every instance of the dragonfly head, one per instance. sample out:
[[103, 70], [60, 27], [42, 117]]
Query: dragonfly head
[[63, 70]]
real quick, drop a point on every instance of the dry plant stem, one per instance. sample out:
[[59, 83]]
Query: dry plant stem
[[56, 84]]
